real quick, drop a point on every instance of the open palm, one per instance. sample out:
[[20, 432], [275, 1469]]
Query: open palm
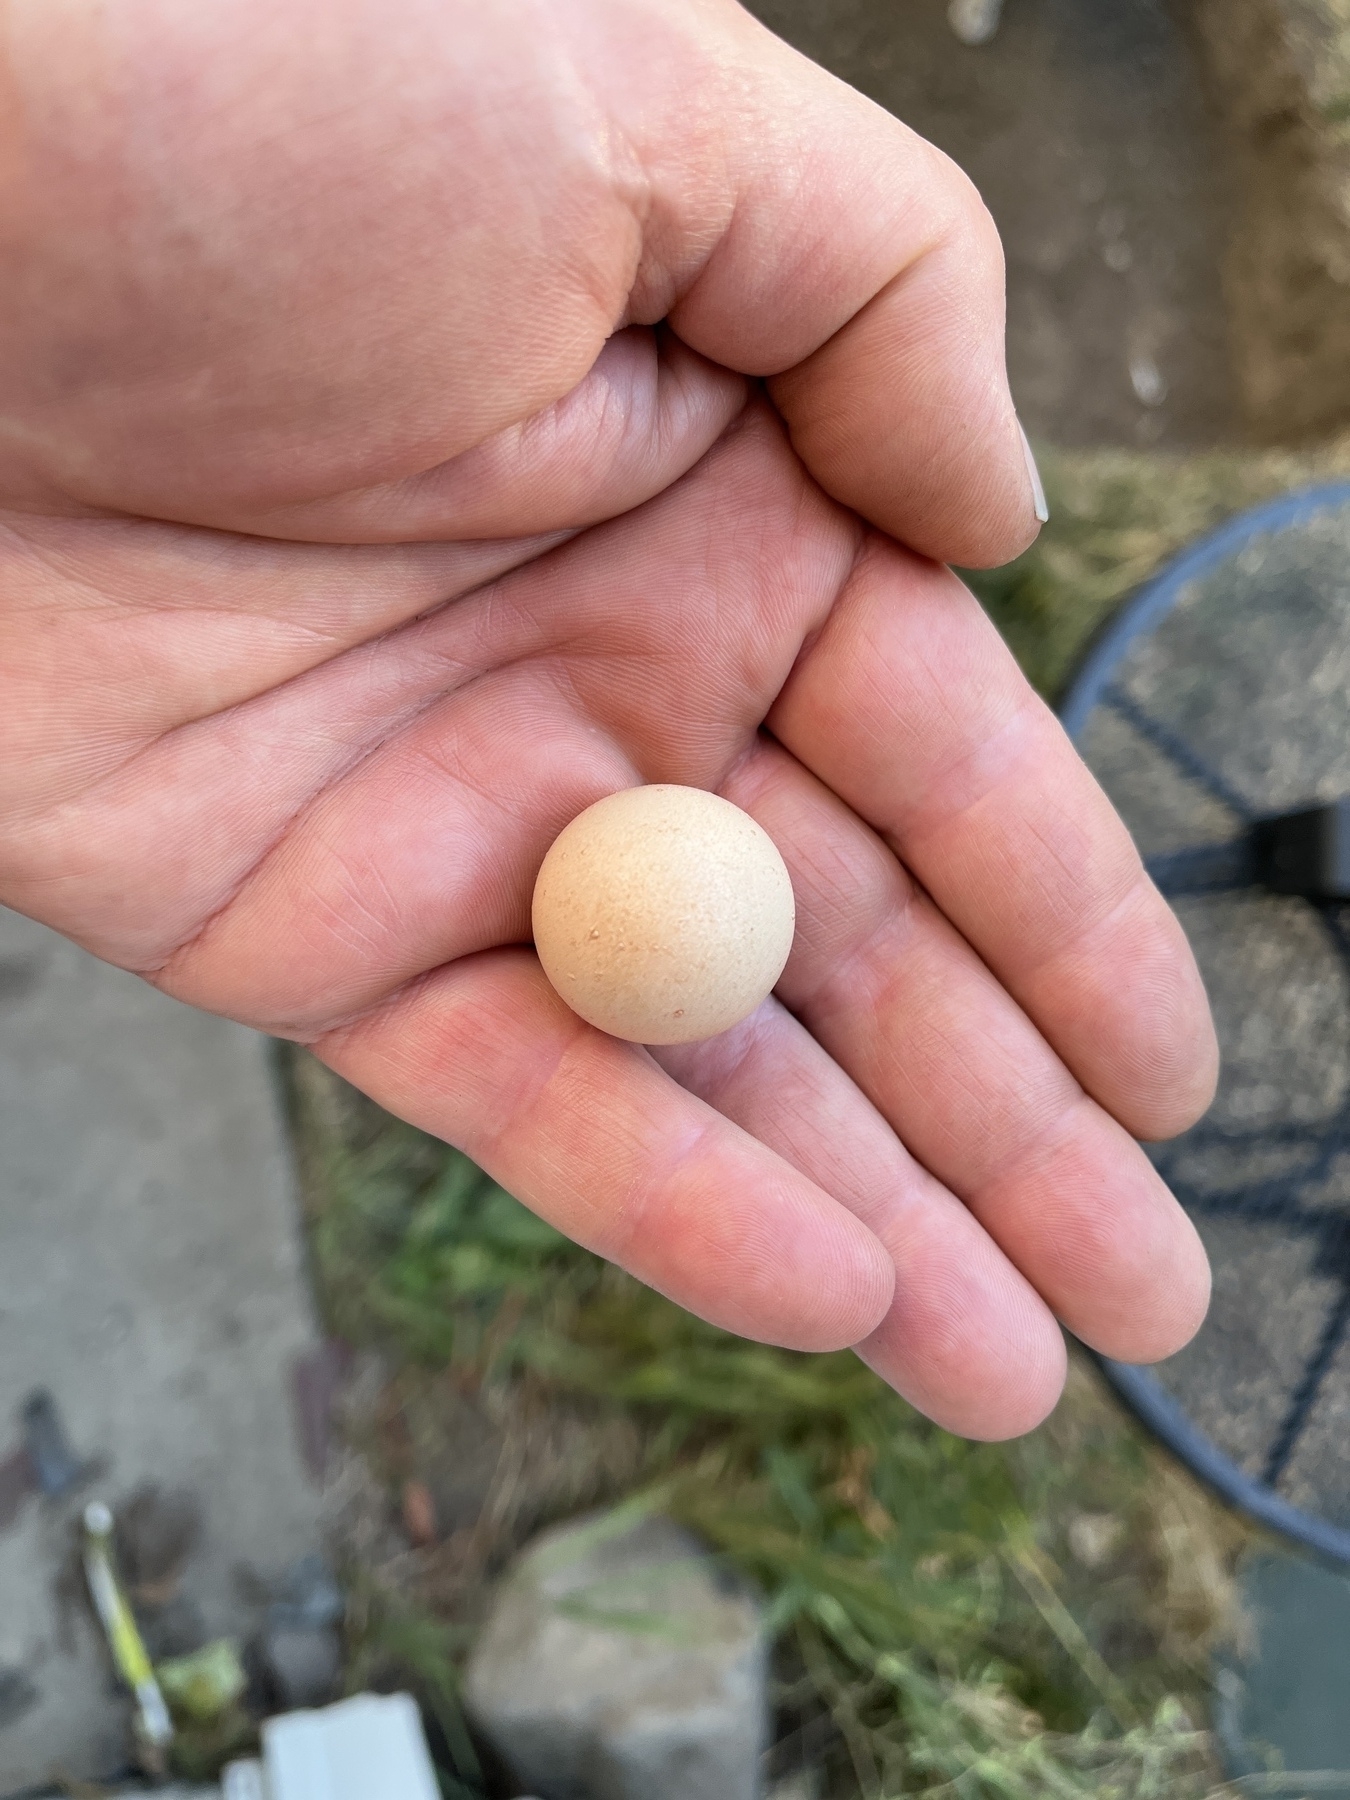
[[353, 548]]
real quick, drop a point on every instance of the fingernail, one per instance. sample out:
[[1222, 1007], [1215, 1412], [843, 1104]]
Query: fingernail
[[1037, 485]]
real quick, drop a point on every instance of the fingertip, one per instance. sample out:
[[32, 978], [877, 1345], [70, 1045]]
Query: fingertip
[[1184, 1097], [1000, 513], [846, 1294], [968, 1340], [1023, 1403], [1181, 1307], [1186, 1076], [902, 409], [1014, 510], [934, 459], [1126, 1008], [1176, 1058], [1006, 1388], [1172, 1304], [749, 1243]]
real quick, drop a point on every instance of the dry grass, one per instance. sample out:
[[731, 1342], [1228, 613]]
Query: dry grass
[[1115, 518]]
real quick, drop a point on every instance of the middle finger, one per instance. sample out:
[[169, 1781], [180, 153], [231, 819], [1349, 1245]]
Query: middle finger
[[903, 1004]]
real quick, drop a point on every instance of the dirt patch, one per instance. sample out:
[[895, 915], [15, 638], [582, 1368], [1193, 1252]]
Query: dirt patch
[[1087, 126], [1172, 182]]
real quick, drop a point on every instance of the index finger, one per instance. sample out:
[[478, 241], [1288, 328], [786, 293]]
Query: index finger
[[911, 708]]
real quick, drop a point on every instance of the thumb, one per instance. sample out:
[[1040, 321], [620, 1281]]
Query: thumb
[[859, 271]]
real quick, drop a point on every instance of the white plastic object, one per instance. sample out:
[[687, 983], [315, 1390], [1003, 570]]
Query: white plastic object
[[974, 21], [243, 1781], [371, 1747]]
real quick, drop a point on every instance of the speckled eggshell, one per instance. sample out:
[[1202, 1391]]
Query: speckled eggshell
[[663, 914]]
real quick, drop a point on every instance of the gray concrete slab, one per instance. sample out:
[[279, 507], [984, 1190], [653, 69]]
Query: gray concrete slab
[[152, 1278]]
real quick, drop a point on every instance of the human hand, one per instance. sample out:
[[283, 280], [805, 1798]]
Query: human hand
[[359, 531]]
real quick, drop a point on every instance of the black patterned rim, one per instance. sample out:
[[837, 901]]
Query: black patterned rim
[[1217, 869]]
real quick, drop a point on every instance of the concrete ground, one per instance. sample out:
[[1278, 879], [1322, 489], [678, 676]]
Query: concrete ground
[[151, 1279]]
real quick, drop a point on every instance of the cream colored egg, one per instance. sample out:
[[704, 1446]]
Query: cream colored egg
[[663, 914]]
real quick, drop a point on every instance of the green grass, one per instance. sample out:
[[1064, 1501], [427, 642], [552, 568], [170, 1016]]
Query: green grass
[[936, 1632], [986, 1622]]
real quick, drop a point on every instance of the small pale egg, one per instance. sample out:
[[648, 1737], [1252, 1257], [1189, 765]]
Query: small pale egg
[[663, 914]]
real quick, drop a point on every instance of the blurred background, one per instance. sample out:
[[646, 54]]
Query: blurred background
[[334, 1384]]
